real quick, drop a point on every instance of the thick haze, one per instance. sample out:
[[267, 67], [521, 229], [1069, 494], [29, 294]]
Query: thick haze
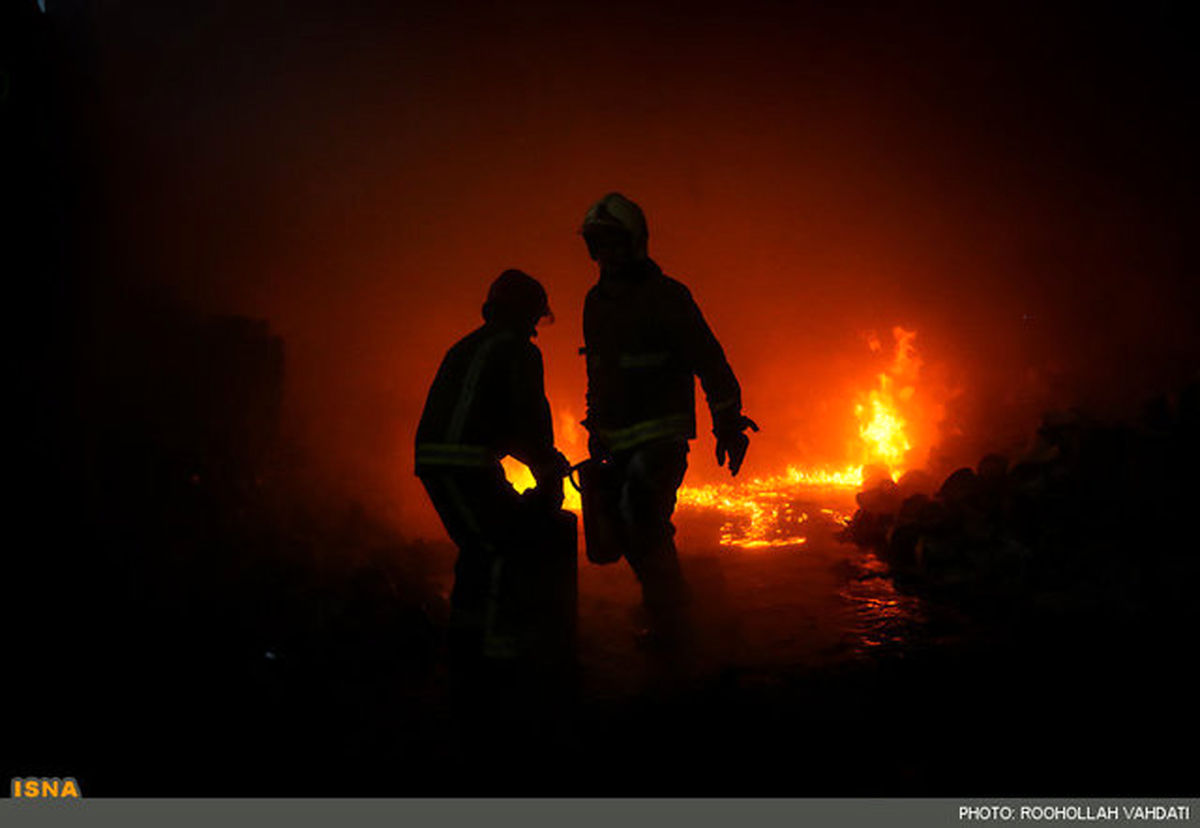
[[1017, 186]]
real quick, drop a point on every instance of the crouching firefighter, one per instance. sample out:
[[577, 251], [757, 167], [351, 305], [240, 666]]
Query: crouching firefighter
[[645, 339], [514, 578]]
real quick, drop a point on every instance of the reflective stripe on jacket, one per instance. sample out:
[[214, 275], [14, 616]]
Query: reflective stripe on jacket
[[679, 426], [488, 400], [454, 454]]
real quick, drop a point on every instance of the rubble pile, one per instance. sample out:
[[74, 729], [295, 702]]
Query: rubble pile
[[1094, 516]]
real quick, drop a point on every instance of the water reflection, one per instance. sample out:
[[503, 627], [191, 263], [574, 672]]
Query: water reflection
[[885, 620], [769, 519], [812, 587]]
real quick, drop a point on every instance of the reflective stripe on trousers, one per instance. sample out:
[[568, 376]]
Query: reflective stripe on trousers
[[650, 476], [495, 644]]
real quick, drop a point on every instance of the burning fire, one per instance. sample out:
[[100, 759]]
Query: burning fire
[[569, 437], [765, 512], [761, 512], [521, 478], [881, 426]]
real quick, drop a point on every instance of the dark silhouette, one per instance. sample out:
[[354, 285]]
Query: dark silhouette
[[1084, 525], [645, 339], [512, 601]]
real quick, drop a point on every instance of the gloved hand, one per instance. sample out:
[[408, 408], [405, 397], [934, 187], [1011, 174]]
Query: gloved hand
[[549, 476], [732, 442], [548, 495]]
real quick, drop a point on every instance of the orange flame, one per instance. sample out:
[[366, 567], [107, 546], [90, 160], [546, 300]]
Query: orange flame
[[881, 426], [762, 513], [757, 512], [570, 438]]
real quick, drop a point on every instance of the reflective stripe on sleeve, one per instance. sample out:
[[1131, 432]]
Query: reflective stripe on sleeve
[[466, 396], [454, 454]]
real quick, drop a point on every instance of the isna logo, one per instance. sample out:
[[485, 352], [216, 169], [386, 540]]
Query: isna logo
[[45, 787]]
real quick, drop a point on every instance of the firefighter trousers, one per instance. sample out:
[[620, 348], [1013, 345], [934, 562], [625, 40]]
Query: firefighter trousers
[[513, 606], [648, 477], [515, 576]]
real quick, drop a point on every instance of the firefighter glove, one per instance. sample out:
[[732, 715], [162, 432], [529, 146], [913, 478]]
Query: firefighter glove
[[733, 443], [548, 495], [549, 476]]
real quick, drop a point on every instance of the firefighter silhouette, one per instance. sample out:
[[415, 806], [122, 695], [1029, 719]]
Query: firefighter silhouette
[[488, 401], [645, 338]]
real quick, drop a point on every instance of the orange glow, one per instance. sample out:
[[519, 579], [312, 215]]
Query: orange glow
[[518, 474], [881, 426], [571, 440], [521, 478], [758, 513], [762, 513], [850, 477]]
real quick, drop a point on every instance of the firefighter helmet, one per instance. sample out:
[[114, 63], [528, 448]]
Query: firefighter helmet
[[616, 214], [517, 295]]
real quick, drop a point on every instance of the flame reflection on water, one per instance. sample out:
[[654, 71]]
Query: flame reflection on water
[[884, 617]]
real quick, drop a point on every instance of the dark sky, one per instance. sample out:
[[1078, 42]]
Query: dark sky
[[1016, 183]]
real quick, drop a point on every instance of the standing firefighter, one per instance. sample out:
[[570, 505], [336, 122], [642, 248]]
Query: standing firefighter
[[488, 401], [645, 340]]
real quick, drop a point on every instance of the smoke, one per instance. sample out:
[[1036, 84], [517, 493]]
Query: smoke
[[1013, 187]]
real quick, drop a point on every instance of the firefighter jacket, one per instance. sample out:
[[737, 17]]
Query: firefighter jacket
[[644, 340], [488, 400]]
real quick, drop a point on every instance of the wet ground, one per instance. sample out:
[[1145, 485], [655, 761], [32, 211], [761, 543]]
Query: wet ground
[[812, 674], [809, 674], [817, 604]]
